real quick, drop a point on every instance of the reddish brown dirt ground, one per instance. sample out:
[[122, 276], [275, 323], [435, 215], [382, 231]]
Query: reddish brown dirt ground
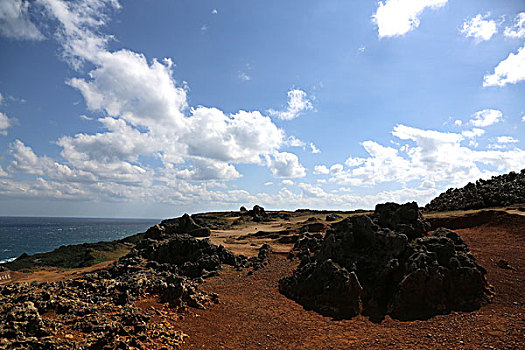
[[254, 315]]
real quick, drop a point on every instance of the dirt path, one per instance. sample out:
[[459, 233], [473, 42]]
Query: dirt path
[[254, 315], [51, 275]]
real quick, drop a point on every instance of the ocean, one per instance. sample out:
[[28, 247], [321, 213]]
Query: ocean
[[40, 234]]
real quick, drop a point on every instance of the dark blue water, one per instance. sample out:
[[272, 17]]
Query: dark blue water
[[38, 235]]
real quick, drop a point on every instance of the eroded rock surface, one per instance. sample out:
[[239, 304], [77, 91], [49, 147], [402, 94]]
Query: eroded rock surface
[[499, 191], [99, 310], [399, 270]]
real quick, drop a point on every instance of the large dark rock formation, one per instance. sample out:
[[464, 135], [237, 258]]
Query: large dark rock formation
[[499, 191], [387, 264], [184, 224]]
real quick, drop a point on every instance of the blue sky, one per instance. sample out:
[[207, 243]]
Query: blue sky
[[154, 108]]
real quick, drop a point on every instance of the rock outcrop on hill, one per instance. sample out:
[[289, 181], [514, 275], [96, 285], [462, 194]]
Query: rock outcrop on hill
[[183, 225], [385, 263], [499, 191], [98, 310]]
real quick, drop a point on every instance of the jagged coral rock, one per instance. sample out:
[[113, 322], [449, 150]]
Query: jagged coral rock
[[402, 271]]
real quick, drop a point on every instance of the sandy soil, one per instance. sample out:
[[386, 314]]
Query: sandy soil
[[52, 275]]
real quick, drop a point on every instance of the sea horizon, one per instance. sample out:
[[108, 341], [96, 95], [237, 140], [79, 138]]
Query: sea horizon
[[41, 234]]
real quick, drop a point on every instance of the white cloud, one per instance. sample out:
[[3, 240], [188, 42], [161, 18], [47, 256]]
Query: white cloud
[[398, 17], [506, 139], [124, 85], [298, 103], [312, 190], [497, 146], [458, 122], [509, 71], [5, 123], [321, 170], [78, 33], [284, 164], [207, 169], [1, 98], [436, 157], [427, 184], [214, 12], [15, 21], [269, 183], [244, 76], [204, 28], [147, 115], [479, 27], [293, 141], [353, 162], [517, 30], [523, 118], [470, 134], [314, 149], [287, 183], [361, 49], [336, 168], [486, 117]]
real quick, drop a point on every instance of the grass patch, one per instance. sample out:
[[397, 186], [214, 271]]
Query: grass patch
[[71, 256]]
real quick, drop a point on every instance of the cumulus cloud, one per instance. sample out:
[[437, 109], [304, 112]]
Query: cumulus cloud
[[293, 141], [509, 71], [517, 30], [312, 190], [479, 28], [15, 21], [287, 183], [506, 139], [298, 103], [314, 149], [214, 12], [148, 112], [398, 17], [470, 134], [284, 164], [321, 170], [435, 156], [336, 168], [145, 116], [5, 123], [207, 169], [486, 117]]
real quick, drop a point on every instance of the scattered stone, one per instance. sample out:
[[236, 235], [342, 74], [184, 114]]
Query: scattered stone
[[333, 217], [504, 264]]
